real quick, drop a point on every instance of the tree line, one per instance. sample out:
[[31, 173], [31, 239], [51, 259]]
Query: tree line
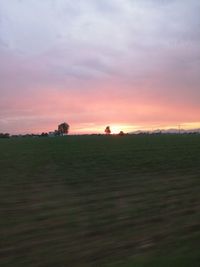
[[63, 129]]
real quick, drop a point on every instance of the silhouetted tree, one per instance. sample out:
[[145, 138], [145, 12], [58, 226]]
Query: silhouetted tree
[[107, 130], [4, 135], [44, 134], [63, 128], [121, 133]]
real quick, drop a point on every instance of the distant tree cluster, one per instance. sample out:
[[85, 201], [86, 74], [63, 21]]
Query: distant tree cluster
[[121, 133], [107, 130], [4, 135], [44, 134], [63, 128]]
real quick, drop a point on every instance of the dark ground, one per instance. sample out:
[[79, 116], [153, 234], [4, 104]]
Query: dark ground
[[82, 201]]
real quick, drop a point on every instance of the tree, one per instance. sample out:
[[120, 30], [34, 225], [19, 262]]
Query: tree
[[63, 128], [44, 134], [121, 133], [6, 135], [107, 130]]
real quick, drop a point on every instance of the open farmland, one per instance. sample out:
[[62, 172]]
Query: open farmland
[[111, 201]]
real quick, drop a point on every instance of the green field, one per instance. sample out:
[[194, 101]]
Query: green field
[[81, 201]]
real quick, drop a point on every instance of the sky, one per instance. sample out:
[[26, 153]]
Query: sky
[[130, 64]]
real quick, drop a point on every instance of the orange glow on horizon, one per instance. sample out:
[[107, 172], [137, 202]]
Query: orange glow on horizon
[[96, 128], [128, 128], [91, 113]]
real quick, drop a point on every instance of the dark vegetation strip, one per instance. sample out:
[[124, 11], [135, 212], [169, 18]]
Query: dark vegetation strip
[[100, 201]]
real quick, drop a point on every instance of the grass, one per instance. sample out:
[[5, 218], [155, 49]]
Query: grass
[[110, 201]]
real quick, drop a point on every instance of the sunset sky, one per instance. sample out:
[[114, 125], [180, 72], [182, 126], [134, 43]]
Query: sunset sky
[[130, 64]]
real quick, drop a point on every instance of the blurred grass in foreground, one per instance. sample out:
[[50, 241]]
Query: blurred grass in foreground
[[111, 201]]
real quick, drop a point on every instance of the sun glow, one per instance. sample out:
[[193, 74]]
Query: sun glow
[[115, 129], [92, 128]]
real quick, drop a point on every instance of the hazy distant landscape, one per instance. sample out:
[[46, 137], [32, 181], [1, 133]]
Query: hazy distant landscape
[[114, 201]]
